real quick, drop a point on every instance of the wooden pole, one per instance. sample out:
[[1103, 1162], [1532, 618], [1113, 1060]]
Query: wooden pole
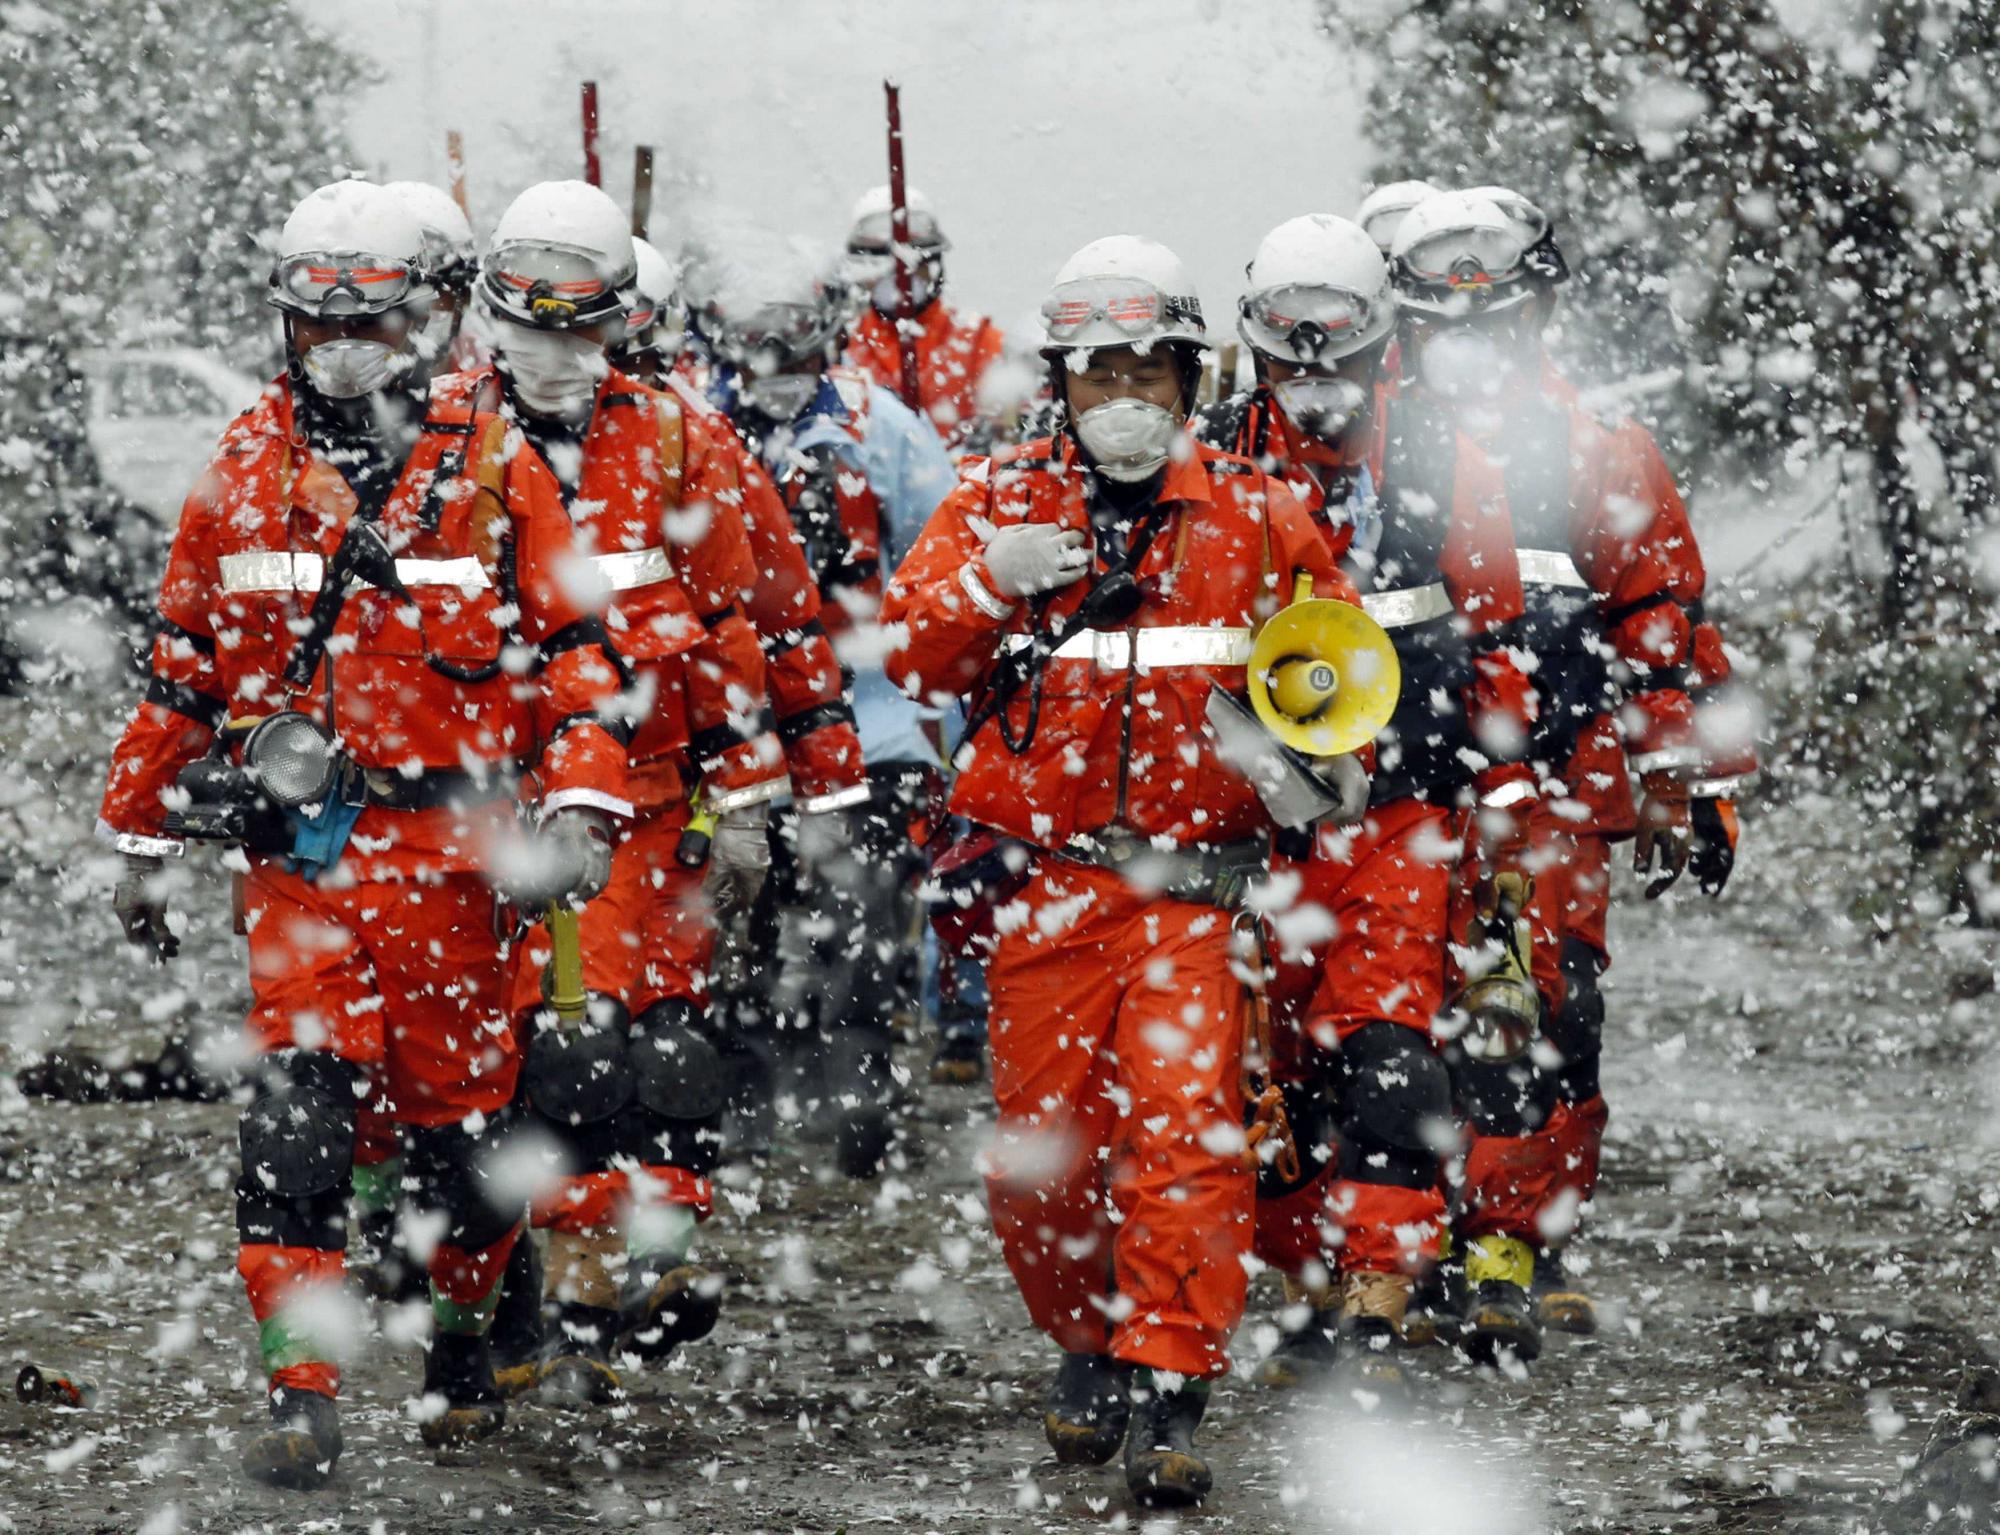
[[592, 172], [899, 242], [454, 156], [642, 188]]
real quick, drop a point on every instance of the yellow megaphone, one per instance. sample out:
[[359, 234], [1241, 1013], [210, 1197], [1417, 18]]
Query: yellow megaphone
[[1323, 675]]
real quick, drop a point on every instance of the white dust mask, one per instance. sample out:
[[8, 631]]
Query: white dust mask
[[349, 367], [555, 373], [1127, 439], [1324, 407]]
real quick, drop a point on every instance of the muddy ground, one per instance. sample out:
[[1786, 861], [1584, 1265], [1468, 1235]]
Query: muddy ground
[[1794, 1247]]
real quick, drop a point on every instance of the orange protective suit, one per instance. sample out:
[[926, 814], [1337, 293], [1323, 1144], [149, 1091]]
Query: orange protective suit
[[954, 350]]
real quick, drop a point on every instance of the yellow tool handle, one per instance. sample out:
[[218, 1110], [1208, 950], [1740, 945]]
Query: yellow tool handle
[[566, 964], [1302, 586]]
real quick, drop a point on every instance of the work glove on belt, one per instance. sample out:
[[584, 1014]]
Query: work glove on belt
[[142, 910], [1666, 832], [583, 840], [739, 860], [1713, 855]]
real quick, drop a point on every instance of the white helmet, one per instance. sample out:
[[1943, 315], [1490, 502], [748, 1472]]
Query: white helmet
[[658, 322], [868, 231], [766, 301], [1122, 290], [1536, 228], [1457, 254], [1384, 209], [1319, 291], [561, 258], [349, 249], [449, 250]]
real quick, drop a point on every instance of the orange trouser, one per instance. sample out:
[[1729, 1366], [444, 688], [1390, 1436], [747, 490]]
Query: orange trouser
[[646, 938], [1373, 897], [1114, 1177], [1531, 1185], [406, 980]]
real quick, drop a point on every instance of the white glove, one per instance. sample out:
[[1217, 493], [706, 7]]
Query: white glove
[[582, 841], [1346, 777], [739, 859], [142, 911], [1026, 559]]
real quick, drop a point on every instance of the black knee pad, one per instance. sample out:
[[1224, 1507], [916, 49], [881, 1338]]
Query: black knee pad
[[1510, 1099], [1577, 1029], [573, 1077], [1394, 1105], [681, 1086], [297, 1140], [444, 1168]]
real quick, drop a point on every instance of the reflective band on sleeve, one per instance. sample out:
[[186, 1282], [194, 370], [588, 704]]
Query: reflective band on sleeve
[[1667, 759], [1413, 605], [1719, 788], [833, 799], [284, 571], [988, 603], [749, 794], [1507, 795], [1168, 645], [1546, 567], [637, 567], [147, 847]]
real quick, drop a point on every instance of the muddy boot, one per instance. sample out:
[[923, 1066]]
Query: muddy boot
[[680, 1306], [1087, 1407], [1500, 1313], [960, 1060], [460, 1370], [1373, 1309], [1305, 1351], [861, 1140], [298, 1451], [577, 1370], [1437, 1303], [1161, 1466], [1560, 1302], [380, 1268], [514, 1341]]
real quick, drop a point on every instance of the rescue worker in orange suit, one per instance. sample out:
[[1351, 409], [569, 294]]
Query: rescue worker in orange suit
[[955, 348], [1613, 581], [1128, 566], [634, 1096], [1405, 507], [859, 473], [369, 574]]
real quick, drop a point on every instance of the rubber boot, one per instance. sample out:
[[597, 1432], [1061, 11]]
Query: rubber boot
[[577, 1370], [1500, 1314], [380, 1268], [1161, 1466], [680, 1306], [516, 1337], [298, 1451], [1088, 1404], [1305, 1351], [1561, 1305], [1437, 1301], [1373, 1307], [960, 1060], [459, 1368]]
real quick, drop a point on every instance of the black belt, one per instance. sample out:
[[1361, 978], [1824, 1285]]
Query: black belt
[[432, 789], [1213, 873]]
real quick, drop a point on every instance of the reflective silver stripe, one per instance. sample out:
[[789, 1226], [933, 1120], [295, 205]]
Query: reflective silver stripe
[[290, 572], [1546, 567], [982, 598], [636, 567], [1719, 788], [1168, 645], [1667, 759], [757, 793], [1412, 605], [833, 799], [1503, 795]]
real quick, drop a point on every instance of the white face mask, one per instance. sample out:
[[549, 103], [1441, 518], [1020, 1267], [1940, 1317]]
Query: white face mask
[[1464, 364], [884, 297], [1324, 407], [347, 368], [555, 373], [781, 396], [1127, 439]]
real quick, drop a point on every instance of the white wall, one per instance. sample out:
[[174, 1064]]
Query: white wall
[[1034, 125]]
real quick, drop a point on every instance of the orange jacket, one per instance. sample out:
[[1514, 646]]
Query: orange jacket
[[484, 552], [954, 350], [814, 721], [1118, 743], [659, 508]]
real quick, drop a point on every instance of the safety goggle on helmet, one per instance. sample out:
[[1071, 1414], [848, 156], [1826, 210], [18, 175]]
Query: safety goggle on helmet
[[1543, 256], [1310, 324], [1118, 311], [772, 335], [1457, 254], [339, 285], [873, 234], [552, 286]]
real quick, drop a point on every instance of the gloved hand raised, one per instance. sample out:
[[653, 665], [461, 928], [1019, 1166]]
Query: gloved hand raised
[[142, 910], [582, 839], [739, 860], [1026, 559]]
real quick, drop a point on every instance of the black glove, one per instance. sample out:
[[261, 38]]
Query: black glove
[[142, 911], [1713, 855]]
